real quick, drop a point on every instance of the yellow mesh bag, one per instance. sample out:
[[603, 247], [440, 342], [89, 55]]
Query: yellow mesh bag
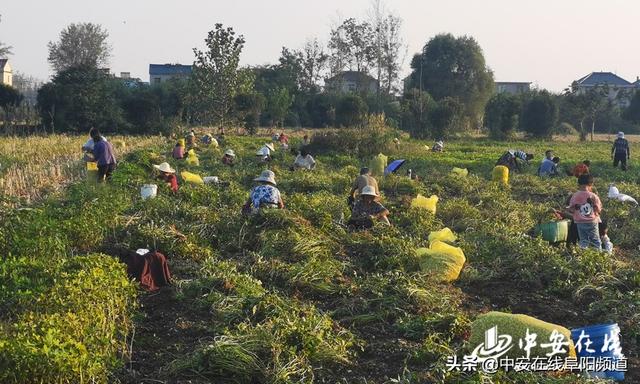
[[428, 203], [501, 174], [189, 177], [445, 235]]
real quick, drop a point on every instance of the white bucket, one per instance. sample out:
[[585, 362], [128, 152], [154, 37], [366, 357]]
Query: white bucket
[[148, 191], [211, 179]]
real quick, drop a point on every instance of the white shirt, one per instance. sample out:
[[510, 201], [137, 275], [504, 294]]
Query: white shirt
[[90, 144], [264, 151], [306, 162]]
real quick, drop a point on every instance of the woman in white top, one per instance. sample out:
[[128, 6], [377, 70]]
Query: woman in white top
[[304, 160], [264, 153]]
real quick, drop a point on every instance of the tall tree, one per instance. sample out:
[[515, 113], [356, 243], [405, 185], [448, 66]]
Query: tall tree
[[632, 112], [10, 98], [351, 46], [454, 67], [387, 45], [540, 115], [313, 61], [82, 44], [5, 50], [501, 115], [216, 76], [583, 109], [278, 102]]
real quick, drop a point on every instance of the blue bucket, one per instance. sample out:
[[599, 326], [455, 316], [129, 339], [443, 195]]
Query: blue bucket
[[596, 334]]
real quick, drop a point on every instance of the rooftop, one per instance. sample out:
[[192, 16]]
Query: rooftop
[[352, 76], [602, 78], [169, 69], [3, 62]]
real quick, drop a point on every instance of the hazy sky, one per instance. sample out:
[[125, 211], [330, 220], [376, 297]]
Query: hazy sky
[[547, 42]]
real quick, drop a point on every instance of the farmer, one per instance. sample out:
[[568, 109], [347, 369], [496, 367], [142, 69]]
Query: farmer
[[207, 139], [191, 138], [580, 169], [438, 146], [306, 140], [229, 158], [366, 210], [514, 159], [104, 155], [620, 151], [178, 151], [221, 137], [586, 208], [264, 153], [549, 166], [168, 175], [88, 146], [365, 179], [284, 140], [265, 195], [304, 160]]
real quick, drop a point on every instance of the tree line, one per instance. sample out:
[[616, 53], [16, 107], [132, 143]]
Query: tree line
[[450, 89]]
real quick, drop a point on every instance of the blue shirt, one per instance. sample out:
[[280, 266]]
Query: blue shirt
[[547, 168], [264, 194], [103, 152]]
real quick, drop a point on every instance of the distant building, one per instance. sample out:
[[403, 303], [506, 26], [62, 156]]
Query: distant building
[[512, 88], [351, 81], [6, 75], [160, 73], [129, 81], [617, 89]]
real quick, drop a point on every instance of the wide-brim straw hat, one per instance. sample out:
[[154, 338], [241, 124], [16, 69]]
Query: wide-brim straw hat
[[267, 177], [164, 167], [270, 146], [369, 191], [229, 152]]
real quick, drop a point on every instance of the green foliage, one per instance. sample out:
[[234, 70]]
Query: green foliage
[[416, 107], [446, 118], [454, 67], [351, 111], [68, 329], [215, 75], [540, 114], [501, 115], [80, 45]]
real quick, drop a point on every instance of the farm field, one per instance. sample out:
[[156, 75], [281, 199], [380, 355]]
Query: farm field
[[291, 296]]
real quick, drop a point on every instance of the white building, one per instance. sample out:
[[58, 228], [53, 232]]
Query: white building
[[6, 75]]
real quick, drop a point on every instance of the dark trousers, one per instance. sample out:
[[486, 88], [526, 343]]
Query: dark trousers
[[105, 171], [622, 159]]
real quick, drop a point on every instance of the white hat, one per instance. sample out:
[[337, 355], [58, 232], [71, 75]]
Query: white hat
[[621, 135], [229, 152], [267, 176], [368, 191], [164, 167]]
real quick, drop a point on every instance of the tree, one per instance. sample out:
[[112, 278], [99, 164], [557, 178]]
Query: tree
[[350, 45], [454, 67], [540, 115], [82, 44], [387, 46], [248, 107], [313, 61], [351, 111], [416, 106], [445, 118], [278, 102], [80, 98], [5, 50], [632, 112], [216, 76], [501, 115], [581, 109], [10, 98]]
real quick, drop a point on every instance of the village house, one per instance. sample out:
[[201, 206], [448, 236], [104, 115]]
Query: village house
[[6, 75], [618, 90], [350, 82], [160, 73], [512, 88]]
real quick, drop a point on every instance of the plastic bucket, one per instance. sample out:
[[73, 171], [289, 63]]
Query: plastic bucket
[[596, 334], [553, 232], [148, 191], [92, 166]]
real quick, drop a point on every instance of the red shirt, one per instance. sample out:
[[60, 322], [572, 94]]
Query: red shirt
[[586, 207], [170, 179], [580, 169]]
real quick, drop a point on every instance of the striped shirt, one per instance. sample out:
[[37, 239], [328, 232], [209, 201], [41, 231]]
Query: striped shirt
[[519, 154]]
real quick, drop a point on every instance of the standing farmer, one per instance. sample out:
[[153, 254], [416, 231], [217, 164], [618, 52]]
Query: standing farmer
[[104, 155], [620, 151]]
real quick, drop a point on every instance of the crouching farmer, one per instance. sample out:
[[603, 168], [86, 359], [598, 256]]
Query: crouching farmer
[[367, 210], [265, 195], [586, 208]]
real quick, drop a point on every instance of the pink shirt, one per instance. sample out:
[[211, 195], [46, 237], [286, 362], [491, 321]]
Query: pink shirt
[[586, 207]]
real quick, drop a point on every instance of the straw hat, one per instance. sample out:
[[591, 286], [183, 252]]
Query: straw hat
[[267, 176], [229, 152], [621, 135], [270, 146], [164, 167], [368, 191]]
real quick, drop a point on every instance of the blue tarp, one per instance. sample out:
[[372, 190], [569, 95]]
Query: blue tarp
[[394, 166]]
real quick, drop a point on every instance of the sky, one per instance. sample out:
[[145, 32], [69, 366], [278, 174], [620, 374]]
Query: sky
[[547, 42]]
